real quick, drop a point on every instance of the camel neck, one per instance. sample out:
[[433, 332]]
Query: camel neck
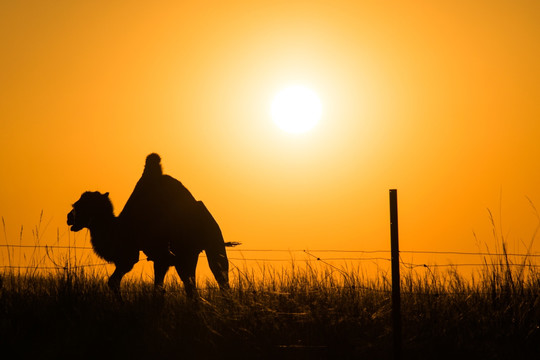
[[102, 228]]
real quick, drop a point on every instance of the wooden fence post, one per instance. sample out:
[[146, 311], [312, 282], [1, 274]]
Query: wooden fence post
[[396, 299]]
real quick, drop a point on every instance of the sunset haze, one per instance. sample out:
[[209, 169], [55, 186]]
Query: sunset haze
[[437, 99]]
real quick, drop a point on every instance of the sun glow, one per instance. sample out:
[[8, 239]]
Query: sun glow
[[296, 109]]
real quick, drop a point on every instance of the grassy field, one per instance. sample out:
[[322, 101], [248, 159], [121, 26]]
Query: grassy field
[[300, 313]]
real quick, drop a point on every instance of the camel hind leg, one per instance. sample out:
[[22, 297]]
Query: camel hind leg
[[185, 266], [219, 264], [214, 246]]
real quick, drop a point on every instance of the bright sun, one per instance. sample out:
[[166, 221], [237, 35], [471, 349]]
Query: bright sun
[[296, 109]]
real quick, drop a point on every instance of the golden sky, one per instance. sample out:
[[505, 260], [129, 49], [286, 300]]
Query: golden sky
[[438, 99]]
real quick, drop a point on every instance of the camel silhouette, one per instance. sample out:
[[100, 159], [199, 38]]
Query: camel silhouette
[[160, 218]]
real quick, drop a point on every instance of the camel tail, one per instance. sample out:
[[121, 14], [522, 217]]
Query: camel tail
[[153, 165], [232, 244]]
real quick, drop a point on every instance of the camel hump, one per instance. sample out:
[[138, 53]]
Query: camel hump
[[153, 165]]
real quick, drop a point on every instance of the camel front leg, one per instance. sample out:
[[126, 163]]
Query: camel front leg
[[160, 270], [116, 278]]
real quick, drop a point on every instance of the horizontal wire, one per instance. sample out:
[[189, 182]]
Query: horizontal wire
[[47, 246], [298, 250], [306, 252], [409, 265], [466, 253]]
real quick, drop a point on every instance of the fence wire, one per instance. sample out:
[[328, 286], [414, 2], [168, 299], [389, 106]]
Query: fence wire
[[311, 257]]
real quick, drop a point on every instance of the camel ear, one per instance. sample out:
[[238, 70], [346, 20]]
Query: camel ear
[[106, 194]]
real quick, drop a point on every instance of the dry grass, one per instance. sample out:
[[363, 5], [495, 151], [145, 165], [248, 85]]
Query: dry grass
[[296, 312], [299, 313]]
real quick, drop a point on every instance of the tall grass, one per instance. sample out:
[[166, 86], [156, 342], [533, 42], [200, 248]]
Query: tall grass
[[305, 312], [298, 311]]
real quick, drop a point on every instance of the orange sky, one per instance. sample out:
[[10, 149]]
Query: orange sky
[[437, 99]]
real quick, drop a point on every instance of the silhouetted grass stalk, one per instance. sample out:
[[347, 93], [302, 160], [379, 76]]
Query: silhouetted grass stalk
[[304, 309]]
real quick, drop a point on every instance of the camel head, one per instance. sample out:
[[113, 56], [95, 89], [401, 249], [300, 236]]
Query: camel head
[[91, 206]]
